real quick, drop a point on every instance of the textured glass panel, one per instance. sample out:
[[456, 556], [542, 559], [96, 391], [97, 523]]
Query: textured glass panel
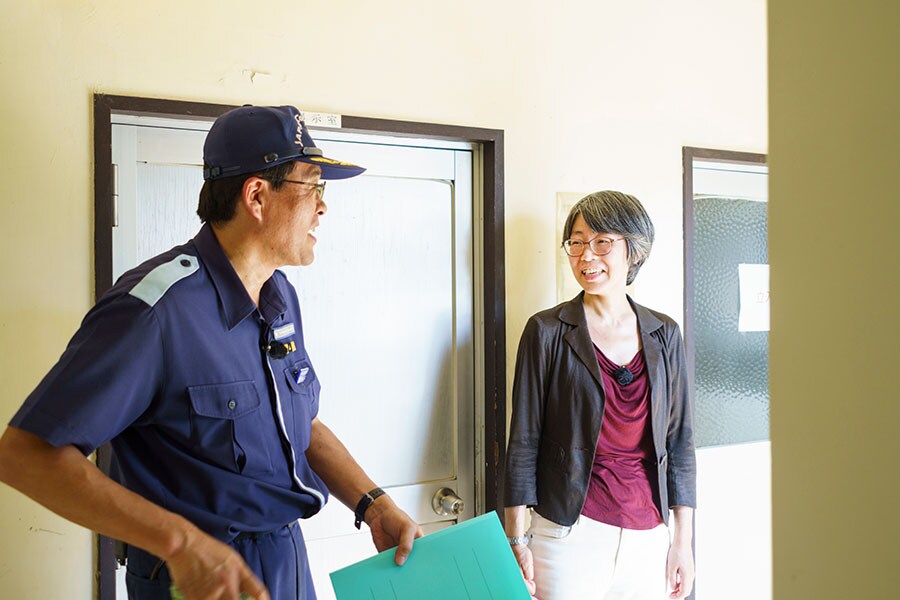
[[166, 213], [731, 367], [378, 321]]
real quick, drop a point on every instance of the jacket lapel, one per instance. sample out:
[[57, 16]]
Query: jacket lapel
[[579, 338]]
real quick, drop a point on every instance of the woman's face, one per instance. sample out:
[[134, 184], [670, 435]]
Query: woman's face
[[599, 275]]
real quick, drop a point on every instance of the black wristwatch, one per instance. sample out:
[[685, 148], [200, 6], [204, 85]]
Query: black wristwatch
[[364, 503]]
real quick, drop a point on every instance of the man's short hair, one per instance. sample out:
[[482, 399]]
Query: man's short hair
[[219, 197]]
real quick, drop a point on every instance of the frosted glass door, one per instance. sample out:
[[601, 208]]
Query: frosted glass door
[[728, 214]]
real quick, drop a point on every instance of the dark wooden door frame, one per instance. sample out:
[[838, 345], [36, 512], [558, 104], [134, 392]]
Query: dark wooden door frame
[[688, 156], [492, 232]]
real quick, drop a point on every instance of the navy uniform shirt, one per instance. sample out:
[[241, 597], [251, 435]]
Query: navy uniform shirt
[[172, 367]]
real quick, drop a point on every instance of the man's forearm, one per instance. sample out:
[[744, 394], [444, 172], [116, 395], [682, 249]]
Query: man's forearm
[[67, 483], [347, 481], [331, 461]]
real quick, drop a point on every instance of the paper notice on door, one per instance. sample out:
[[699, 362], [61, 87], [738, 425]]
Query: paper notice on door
[[471, 560], [754, 286]]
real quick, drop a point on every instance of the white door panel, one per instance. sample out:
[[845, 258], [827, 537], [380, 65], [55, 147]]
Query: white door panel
[[157, 204], [158, 145], [383, 331], [394, 161], [166, 213], [387, 308]]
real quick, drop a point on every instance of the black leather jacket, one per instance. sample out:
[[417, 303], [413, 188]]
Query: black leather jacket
[[558, 407]]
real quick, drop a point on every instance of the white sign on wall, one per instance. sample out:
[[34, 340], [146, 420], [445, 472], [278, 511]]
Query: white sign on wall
[[754, 293]]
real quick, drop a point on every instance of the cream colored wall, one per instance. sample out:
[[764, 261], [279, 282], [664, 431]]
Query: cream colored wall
[[591, 95], [834, 180]]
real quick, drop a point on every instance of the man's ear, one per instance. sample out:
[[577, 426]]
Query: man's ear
[[252, 197]]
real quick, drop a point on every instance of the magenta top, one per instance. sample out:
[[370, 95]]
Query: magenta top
[[622, 480]]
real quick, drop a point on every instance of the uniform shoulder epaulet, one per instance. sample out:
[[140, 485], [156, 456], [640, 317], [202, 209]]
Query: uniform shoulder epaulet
[[157, 282]]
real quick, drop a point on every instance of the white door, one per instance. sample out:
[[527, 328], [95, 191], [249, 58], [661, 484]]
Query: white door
[[387, 307]]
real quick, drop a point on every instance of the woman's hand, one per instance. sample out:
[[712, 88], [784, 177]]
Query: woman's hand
[[679, 571], [680, 563], [526, 564]]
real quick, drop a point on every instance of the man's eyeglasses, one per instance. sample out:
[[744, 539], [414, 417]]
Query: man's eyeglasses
[[320, 187], [599, 245]]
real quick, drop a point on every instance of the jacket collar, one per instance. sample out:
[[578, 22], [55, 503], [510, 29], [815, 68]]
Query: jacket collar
[[572, 312], [236, 302]]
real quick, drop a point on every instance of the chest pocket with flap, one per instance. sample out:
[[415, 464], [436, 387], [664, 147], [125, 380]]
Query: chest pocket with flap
[[228, 427]]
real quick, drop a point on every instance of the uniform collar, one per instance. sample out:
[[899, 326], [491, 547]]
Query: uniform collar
[[236, 302], [572, 313]]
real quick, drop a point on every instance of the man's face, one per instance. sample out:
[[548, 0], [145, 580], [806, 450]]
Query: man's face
[[292, 217]]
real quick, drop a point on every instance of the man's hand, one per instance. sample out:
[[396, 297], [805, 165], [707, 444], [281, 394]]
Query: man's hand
[[392, 527], [66, 482], [347, 482], [206, 569]]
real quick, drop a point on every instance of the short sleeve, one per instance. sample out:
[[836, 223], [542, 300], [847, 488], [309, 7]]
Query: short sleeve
[[105, 380]]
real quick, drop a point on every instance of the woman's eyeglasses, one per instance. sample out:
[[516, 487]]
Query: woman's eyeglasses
[[600, 246]]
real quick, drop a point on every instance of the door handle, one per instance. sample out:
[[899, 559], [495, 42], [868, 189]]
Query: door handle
[[446, 503]]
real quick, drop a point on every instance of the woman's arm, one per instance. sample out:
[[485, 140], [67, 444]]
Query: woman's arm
[[532, 363], [515, 527], [529, 382], [680, 562], [681, 474]]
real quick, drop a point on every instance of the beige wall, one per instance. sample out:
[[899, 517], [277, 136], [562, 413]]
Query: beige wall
[[834, 180], [592, 95]]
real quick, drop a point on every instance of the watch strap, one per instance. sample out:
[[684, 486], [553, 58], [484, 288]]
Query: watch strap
[[364, 503], [517, 540]]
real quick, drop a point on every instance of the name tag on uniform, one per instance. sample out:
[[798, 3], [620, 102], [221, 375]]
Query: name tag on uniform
[[279, 333]]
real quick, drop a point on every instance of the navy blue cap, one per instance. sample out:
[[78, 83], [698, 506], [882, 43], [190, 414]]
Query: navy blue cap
[[253, 138]]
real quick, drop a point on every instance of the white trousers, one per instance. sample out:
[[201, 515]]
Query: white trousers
[[595, 561]]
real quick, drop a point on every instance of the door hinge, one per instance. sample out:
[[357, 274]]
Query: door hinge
[[115, 194]]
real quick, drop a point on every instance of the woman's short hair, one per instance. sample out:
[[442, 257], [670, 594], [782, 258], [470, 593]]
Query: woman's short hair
[[621, 214], [219, 197]]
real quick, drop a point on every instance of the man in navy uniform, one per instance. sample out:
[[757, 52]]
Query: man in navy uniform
[[193, 366]]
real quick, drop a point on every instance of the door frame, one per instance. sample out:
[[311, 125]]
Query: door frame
[[489, 225], [689, 155]]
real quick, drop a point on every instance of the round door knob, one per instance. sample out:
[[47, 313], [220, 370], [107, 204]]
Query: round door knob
[[447, 504]]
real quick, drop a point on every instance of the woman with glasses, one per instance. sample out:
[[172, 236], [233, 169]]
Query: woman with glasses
[[601, 440]]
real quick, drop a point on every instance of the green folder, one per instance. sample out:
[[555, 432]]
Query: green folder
[[471, 560]]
